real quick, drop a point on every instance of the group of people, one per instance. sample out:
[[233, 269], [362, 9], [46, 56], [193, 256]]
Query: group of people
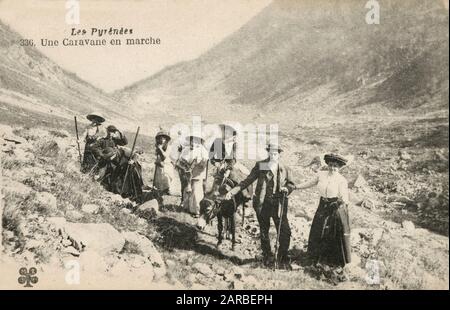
[[329, 238], [107, 158]]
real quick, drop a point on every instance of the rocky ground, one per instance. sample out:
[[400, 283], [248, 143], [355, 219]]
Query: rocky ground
[[55, 217]]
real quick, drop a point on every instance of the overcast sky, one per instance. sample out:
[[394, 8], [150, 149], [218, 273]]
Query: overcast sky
[[187, 28]]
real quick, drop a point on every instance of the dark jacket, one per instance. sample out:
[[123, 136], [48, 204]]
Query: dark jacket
[[265, 183]]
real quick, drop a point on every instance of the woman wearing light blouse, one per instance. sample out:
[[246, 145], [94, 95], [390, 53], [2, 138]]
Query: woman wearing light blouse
[[329, 238]]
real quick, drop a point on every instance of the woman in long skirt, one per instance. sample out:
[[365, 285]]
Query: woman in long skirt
[[164, 170], [193, 160], [329, 238], [93, 132]]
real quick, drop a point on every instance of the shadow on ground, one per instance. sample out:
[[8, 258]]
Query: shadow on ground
[[183, 236]]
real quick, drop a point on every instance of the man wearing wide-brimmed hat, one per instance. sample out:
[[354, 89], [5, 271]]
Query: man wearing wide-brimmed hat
[[329, 238], [164, 173], [274, 184], [193, 161], [93, 132]]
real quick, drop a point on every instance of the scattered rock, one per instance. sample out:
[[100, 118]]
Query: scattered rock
[[8, 136], [369, 204], [360, 182], [8, 235], [74, 215], [57, 222], [46, 200], [204, 269], [71, 250], [170, 264], [220, 270], [24, 156], [251, 281], [236, 285], [125, 211], [66, 242], [142, 222], [148, 250], [408, 226], [149, 210], [399, 198], [101, 238], [34, 244], [34, 171], [90, 208], [295, 267], [404, 155], [192, 278], [238, 272], [137, 261], [16, 188], [377, 234]]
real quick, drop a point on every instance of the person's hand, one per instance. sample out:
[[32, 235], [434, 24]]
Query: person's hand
[[130, 162], [227, 173], [284, 190], [229, 195]]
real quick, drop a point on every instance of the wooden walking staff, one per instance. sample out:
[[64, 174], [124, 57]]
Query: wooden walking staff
[[280, 215], [131, 156], [78, 138]]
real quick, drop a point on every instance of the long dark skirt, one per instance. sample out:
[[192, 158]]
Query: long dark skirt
[[329, 238], [89, 160], [131, 187]]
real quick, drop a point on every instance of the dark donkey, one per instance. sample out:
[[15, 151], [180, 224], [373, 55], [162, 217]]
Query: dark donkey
[[225, 210]]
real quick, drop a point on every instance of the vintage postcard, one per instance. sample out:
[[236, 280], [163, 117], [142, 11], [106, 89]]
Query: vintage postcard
[[224, 145]]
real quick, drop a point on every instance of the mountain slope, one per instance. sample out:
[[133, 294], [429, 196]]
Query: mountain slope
[[32, 83], [293, 48]]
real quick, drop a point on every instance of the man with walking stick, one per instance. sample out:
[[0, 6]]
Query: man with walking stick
[[274, 184]]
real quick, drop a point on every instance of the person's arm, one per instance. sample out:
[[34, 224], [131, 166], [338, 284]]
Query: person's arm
[[290, 185], [161, 152], [252, 177], [309, 183], [343, 191]]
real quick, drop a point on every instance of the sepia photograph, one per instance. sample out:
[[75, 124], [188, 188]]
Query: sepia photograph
[[238, 145]]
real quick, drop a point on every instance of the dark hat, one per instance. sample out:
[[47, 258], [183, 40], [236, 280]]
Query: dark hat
[[335, 158], [195, 139], [111, 128], [273, 146], [95, 117], [163, 133]]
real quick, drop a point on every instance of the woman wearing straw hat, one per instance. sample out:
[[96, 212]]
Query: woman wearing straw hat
[[92, 133], [193, 161], [164, 173], [329, 238]]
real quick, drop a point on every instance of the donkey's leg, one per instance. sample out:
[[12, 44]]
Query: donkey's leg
[[233, 230], [219, 229]]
